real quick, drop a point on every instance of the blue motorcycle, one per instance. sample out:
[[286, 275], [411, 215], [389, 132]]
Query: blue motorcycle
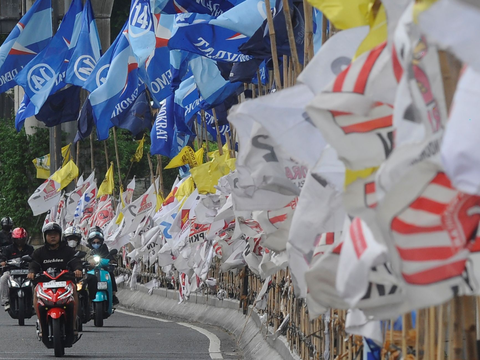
[[102, 304]]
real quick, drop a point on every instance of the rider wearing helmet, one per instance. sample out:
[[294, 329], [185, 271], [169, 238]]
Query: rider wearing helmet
[[6, 232], [73, 236], [17, 249], [96, 242]]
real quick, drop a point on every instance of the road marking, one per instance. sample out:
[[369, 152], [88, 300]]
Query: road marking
[[213, 348]]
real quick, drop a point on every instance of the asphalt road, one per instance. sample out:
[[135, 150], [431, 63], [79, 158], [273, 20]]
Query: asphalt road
[[124, 336]]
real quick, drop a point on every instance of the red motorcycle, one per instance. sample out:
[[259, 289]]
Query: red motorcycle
[[56, 304]]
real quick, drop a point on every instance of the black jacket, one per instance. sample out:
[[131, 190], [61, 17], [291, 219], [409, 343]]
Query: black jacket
[[5, 238], [44, 258], [12, 251], [102, 251]]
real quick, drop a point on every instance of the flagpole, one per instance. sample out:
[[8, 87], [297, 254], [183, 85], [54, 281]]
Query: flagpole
[[308, 40], [204, 125], [291, 38], [219, 138], [160, 174], [273, 45], [92, 160], [118, 158]]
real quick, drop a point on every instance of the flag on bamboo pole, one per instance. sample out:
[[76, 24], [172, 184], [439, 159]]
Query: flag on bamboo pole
[[31, 34], [139, 152], [45, 197], [107, 184], [141, 30], [66, 174], [75, 195], [185, 157], [42, 163], [214, 7]]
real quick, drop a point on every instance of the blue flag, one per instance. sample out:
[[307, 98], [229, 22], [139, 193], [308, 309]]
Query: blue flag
[[25, 110], [179, 66], [158, 74], [210, 7], [85, 122], [162, 132], [211, 129], [114, 84], [137, 118], [195, 34], [31, 34], [88, 50], [317, 29], [46, 73], [141, 30], [213, 88]]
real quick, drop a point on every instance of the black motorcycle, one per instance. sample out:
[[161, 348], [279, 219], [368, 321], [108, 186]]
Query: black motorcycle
[[20, 289], [83, 310]]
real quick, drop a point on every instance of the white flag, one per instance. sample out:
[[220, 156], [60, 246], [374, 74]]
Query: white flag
[[45, 197]]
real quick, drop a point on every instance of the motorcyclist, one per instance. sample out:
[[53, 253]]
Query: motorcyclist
[[6, 232], [96, 242], [17, 249], [73, 236], [54, 254]]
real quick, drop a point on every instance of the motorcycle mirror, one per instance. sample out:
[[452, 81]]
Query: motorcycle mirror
[[26, 258], [113, 252]]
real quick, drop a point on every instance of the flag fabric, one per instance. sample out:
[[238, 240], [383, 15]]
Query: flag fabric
[[29, 37], [88, 50], [73, 197], [343, 13], [45, 197], [43, 163], [134, 212], [103, 213], [139, 152], [214, 8], [66, 174], [46, 73], [114, 84], [141, 30], [185, 157], [85, 122], [161, 135], [106, 188]]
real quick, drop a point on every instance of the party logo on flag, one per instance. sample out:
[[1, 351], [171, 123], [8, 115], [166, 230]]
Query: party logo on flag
[[370, 195], [145, 204], [49, 190]]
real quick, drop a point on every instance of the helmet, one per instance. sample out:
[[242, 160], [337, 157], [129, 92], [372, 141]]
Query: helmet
[[95, 233], [72, 235], [19, 236], [53, 226], [7, 223]]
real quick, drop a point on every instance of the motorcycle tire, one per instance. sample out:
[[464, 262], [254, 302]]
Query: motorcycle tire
[[98, 320], [79, 324], [21, 311], [58, 348]]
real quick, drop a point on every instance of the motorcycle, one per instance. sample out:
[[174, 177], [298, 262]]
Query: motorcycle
[[102, 304], [20, 289], [56, 303], [83, 312]]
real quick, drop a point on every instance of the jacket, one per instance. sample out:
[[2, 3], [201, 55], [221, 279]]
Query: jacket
[[12, 251], [44, 258], [5, 238], [102, 251], [89, 256]]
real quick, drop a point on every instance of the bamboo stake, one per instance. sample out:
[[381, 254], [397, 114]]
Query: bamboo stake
[[285, 72], [217, 128], [451, 316], [160, 174], [152, 177], [106, 152], [431, 332], [78, 153], [92, 162], [204, 125], [469, 322], [324, 29], [420, 334], [457, 329], [260, 85], [197, 140], [442, 319], [291, 37], [308, 50], [478, 323], [118, 158], [273, 45]]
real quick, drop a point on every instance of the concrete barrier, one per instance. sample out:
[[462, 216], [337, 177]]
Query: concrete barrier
[[255, 340]]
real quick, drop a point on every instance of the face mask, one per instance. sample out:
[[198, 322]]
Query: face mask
[[96, 246], [72, 243]]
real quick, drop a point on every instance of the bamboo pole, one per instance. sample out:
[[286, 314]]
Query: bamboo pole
[[273, 45], [160, 174], [118, 158], [92, 162], [152, 176], [324, 29], [457, 329], [285, 72], [469, 322], [106, 152], [77, 159], [420, 334], [260, 85], [204, 127], [291, 38], [308, 50], [217, 128], [442, 320], [431, 331]]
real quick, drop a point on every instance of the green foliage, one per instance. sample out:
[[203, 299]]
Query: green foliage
[[120, 11], [18, 175]]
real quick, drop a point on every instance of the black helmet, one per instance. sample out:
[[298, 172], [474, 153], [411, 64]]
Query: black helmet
[[95, 233], [52, 226], [7, 223]]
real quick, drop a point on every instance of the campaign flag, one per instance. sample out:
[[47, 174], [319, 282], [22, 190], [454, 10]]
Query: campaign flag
[[114, 84], [158, 74], [31, 34], [45, 197], [135, 212], [161, 135], [213, 7], [213, 88], [25, 110], [88, 49], [74, 196], [141, 30], [195, 34], [138, 117], [104, 212], [46, 73], [85, 122]]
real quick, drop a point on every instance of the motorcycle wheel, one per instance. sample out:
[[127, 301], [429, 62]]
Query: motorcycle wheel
[[58, 348], [98, 320], [21, 311]]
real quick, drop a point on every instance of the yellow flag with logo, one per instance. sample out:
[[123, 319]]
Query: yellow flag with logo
[[206, 176], [344, 14], [139, 152], [42, 164], [66, 174], [108, 183], [185, 189], [199, 156], [184, 157]]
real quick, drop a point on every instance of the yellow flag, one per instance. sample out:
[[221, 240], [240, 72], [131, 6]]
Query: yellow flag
[[378, 33], [139, 152], [184, 157], [42, 164], [353, 175], [66, 174], [160, 201], [199, 156], [185, 189], [206, 176], [345, 14], [66, 154], [107, 184]]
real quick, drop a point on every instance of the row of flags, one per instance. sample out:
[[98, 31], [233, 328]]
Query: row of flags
[[188, 52]]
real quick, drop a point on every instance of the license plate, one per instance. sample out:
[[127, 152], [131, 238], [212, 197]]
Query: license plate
[[54, 284], [19, 272], [102, 285]]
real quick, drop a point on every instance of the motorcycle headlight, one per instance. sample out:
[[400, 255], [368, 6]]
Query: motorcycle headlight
[[43, 295], [27, 283], [14, 284], [97, 258], [79, 286], [66, 296]]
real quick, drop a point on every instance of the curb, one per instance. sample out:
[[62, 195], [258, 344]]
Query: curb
[[212, 311]]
